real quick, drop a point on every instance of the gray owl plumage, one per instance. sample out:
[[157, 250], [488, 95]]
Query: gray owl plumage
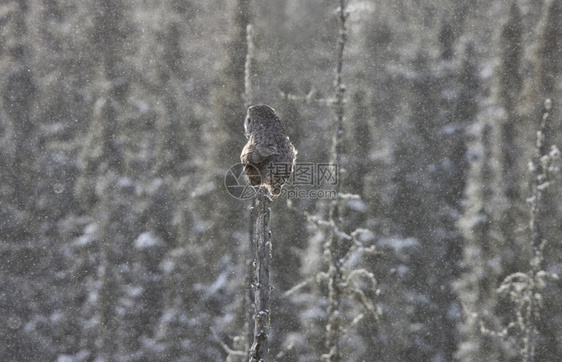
[[268, 157]]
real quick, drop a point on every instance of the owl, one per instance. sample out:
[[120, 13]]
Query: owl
[[268, 157]]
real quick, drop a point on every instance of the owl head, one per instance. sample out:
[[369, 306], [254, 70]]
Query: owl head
[[262, 118]]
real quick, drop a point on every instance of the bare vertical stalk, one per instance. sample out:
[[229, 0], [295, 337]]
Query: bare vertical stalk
[[259, 350], [540, 182], [334, 248], [340, 92], [260, 245], [248, 98], [524, 289], [250, 296]]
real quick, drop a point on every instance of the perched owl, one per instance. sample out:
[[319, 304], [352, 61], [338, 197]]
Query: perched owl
[[269, 156]]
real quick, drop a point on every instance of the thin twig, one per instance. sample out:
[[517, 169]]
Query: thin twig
[[227, 349]]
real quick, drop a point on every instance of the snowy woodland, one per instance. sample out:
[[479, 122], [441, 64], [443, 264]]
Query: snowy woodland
[[120, 239]]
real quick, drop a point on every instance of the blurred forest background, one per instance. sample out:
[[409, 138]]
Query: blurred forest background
[[119, 120]]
